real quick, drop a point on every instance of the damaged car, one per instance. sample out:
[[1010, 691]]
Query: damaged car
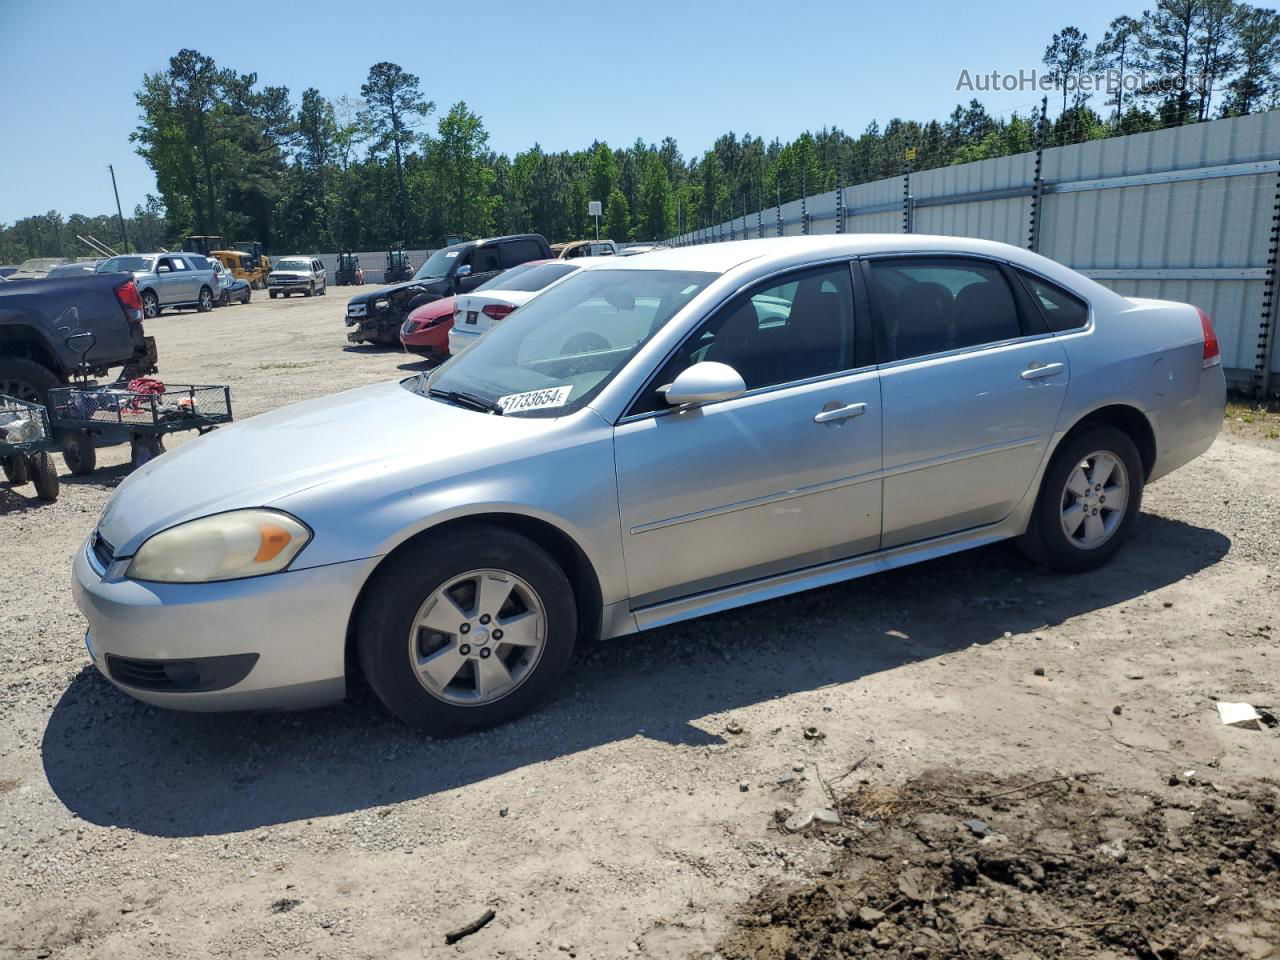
[[377, 316]]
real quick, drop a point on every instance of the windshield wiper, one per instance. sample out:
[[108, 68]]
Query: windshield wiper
[[467, 400]]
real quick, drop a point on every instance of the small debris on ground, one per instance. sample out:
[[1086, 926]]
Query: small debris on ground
[[744, 785], [1239, 715], [453, 936], [733, 726], [823, 816], [1038, 671], [813, 733]]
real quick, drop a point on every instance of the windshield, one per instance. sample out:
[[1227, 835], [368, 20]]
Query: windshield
[[555, 353], [438, 264], [528, 277], [292, 263], [126, 265]]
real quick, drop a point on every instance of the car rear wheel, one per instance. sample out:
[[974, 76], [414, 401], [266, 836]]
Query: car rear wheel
[[205, 303], [467, 630], [150, 305], [26, 379], [1088, 501], [273, 294]]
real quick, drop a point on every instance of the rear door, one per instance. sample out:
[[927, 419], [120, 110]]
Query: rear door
[[972, 382], [516, 252]]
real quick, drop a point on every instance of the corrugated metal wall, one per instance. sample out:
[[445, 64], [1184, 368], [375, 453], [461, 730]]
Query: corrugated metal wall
[[1180, 214]]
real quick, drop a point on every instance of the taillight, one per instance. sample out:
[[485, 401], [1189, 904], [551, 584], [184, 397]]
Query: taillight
[[130, 301], [496, 311], [1212, 350]]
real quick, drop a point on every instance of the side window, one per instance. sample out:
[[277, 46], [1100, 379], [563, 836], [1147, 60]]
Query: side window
[[516, 252], [932, 305], [177, 263], [1062, 310], [779, 332], [485, 260]]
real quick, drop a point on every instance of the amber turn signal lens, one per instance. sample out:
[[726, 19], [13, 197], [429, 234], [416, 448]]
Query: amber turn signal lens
[[274, 539]]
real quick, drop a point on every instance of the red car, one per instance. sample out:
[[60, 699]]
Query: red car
[[426, 330]]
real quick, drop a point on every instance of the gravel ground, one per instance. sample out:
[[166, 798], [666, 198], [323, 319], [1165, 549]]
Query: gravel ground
[[635, 814]]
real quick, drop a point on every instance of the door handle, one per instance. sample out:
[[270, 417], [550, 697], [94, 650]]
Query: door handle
[[840, 413], [1039, 370]]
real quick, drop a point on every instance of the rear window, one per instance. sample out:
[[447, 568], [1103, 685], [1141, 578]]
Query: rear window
[[529, 278], [1062, 310], [521, 251]]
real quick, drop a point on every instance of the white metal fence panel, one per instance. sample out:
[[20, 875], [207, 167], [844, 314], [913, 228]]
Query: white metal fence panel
[[1186, 213]]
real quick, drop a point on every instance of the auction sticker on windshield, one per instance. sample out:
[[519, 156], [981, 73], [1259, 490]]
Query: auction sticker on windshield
[[543, 399]]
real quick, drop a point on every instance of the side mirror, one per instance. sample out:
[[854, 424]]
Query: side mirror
[[704, 382], [463, 271], [162, 269]]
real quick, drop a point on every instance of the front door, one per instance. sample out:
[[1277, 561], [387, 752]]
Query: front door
[[783, 477], [972, 384]]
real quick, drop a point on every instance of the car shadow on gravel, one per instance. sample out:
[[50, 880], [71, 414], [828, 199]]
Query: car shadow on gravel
[[114, 761]]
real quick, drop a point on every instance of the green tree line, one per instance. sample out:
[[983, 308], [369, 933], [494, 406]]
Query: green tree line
[[241, 159]]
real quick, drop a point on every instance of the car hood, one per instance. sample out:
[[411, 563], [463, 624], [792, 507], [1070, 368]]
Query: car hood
[[439, 285], [362, 435]]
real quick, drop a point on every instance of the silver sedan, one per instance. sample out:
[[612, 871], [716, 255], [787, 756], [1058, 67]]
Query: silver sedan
[[650, 439]]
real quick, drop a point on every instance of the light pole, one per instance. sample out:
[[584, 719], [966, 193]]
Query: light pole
[[124, 237]]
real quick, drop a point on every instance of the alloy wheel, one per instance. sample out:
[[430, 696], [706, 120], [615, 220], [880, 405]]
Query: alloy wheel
[[477, 637], [1094, 500]]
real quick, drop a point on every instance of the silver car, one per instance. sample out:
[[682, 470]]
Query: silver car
[[168, 280], [650, 439]]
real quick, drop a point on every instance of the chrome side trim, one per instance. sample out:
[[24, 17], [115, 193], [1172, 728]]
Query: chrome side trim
[[714, 601], [758, 501], [834, 484], [962, 455]]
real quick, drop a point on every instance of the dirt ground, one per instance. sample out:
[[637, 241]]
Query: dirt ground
[[641, 812]]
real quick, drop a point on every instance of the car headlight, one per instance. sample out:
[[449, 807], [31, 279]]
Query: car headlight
[[225, 546]]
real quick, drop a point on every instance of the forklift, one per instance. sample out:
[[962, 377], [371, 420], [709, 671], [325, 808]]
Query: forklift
[[349, 272], [398, 268]]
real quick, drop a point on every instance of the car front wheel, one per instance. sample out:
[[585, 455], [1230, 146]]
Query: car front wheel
[[1088, 501], [466, 630]]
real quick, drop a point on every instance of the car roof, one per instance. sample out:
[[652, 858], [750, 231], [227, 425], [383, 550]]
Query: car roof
[[782, 252]]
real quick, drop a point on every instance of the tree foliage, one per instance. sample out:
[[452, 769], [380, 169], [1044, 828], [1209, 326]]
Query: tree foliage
[[240, 159]]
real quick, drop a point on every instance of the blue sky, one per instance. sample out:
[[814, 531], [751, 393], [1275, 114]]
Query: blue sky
[[558, 74]]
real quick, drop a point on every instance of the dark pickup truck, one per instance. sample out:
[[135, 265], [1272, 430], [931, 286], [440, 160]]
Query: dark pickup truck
[[39, 320], [376, 317]]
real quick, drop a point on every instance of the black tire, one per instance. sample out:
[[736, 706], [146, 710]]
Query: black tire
[[403, 584], [44, 475], [311, 290], [15, 469], [26, 379], [1045, 540], [224, 298], [273, 294], [247, 295], [150, 305], [144, 449], [79, 452], [205, 303]]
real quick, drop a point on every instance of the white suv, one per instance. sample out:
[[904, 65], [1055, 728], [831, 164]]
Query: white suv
[[304, 275]]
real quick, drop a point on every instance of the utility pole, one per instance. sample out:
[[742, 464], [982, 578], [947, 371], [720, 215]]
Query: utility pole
[[124, 237]]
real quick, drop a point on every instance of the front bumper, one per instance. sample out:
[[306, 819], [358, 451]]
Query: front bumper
[[289, 285], [294, 623]]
